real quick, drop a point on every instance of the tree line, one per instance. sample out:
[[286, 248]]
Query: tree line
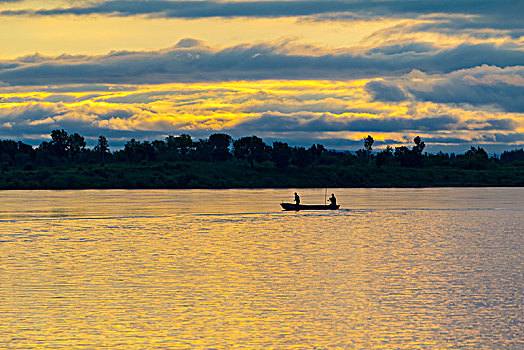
[[69, 149]]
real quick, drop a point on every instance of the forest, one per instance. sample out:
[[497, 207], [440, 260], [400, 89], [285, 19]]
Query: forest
[[220, 161]]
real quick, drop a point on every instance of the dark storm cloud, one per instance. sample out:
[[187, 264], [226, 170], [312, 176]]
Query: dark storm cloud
[[501, 88], [413, 48], [445, 140], [479, 86], [381, 91], [506, 96], [28, 114], [510, 25], [440, 16], [509, 138], [501, 124], [467, 15], [6, 65], [314, 123], [192, 61], [198, 9]]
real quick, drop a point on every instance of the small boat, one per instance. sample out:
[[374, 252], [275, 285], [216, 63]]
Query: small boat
[[293, 206]]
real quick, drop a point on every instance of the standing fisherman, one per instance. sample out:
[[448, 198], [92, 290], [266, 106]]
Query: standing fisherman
[[297, 198]]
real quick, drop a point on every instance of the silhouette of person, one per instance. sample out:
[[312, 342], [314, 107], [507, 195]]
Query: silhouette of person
[[297, 198], [332, 199]]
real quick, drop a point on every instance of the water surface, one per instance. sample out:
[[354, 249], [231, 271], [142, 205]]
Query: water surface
[[393, 268]]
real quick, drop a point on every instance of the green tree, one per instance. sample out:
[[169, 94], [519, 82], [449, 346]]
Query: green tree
[[132, 150], [479, 151], [384, 157], [159, 146], [474, 159], [6, 159], [416, 152], [281, 154], [146, 151], [59, 142], [180, 144], [75, 145], [219, 144], [317, 151], [368, 146], [301, 157], [404, 156], [102, 147], [250, 148], [512, 156], [419, 145], [411, 158], [201, 151]]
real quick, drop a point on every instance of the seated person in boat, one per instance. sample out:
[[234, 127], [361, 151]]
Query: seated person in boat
[[333, 200], [297, 198]]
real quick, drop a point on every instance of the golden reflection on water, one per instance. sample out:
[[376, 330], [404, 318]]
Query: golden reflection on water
[[217, 269]]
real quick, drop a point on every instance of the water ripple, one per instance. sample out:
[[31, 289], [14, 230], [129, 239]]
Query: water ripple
[[161, 274]]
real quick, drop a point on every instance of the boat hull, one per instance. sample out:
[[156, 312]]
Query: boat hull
[[292, 206]]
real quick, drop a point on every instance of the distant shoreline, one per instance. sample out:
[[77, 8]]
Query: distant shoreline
[[220, 162], [242, 188], [232, 175]]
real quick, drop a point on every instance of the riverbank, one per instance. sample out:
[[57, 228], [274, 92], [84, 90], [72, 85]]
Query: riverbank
[[222, 175]]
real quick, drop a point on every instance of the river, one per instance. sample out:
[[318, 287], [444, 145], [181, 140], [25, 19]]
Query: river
[[134, 269]]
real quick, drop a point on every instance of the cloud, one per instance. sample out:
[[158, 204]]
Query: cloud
[[30, 121], [191, 61], [199, 9], [508, 97], [501, 124], [403, 48], [27, 112], [334, 113], [485, 85], [450, 71], [196, 9], [309, 122], [511, 138], [384, 92], [483, 17], [483, 25]]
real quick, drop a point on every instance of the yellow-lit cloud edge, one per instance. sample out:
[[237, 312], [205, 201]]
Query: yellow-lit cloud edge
[[204, 108]]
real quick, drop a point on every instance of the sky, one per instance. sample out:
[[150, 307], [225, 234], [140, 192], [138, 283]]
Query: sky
[[299, 71]]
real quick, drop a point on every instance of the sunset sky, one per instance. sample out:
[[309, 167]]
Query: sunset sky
[[303, 72]]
